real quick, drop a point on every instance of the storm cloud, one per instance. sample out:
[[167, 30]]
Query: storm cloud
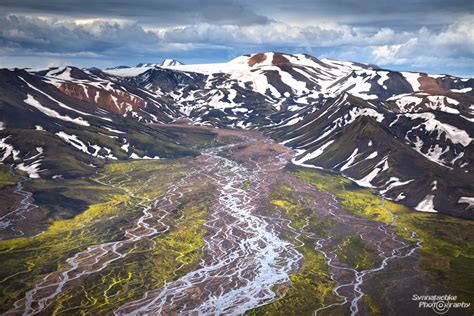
[[148, 12], [435, 36]]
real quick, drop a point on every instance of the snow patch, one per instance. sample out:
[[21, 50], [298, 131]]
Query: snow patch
[[312, 155], [8, 150], [77, 143], [426, 205], [431, 124], [412, 78], [464, 90], [380, 167], [30, 100], [467, 200], [135, 156], [113, 130], [400, 197], [394, 182], [350, 160], [383, 77], [32, 169]]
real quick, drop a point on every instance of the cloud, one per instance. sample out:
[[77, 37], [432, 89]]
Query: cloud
[[103, 37], [454, 45], [32, 35], [407, 14], [148, 12], [127, 41], [280, 34]]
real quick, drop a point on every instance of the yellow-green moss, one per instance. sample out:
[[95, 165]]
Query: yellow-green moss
[[353, 199], [6, 178], [310, 287], [96, 212], [353, 251], [148, 263], [448, 242], [373, 308]]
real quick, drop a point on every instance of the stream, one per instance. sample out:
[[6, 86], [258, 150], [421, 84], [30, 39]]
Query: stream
[[244, 260], [405, 249], [7, 221], [96, 258]]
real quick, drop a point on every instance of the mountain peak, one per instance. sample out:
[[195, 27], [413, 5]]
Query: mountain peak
[[274, 59], [171, 62], [116, 67], [165, 63]]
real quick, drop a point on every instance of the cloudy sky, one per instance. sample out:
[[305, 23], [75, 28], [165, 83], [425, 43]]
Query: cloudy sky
[[435, 36]]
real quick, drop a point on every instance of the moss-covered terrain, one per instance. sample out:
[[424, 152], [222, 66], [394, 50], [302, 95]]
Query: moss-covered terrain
[[6, 178], [356, 254], [311, 287], [447, 254], [111, 201]]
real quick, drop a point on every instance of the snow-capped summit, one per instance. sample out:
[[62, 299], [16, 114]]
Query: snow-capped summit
[[170, 62], [117, 67], [143, 65], [165, 63]]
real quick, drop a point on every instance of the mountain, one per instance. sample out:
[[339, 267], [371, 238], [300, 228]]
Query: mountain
[[406, 134], [112, 94], [165, 63], [171, 62], [419, 159], [117, 67], [66, 122]]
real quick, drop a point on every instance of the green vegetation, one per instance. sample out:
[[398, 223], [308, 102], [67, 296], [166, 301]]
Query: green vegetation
[[65, 198], [354, 252], [246, 184], [311, 287], [5, 177], [112, 204], [82, 212], [447, 254], [373, 308], [353, 199]]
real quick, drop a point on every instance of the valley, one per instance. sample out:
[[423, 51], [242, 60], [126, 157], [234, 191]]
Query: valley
[[271, 184], [236, 229]]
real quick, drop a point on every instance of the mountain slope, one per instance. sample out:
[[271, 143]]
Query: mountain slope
[[414, 158], [46, 133], [407, 134]]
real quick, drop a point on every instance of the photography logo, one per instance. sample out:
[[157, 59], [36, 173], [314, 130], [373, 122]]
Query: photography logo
[[440, 304]]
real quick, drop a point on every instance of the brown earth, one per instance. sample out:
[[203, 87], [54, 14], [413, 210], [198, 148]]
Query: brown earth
[[256, 59], [118, 101]]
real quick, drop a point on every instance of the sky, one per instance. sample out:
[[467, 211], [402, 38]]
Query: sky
[[434, 36]]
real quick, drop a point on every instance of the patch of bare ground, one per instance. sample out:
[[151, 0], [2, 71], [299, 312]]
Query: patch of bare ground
[[279, 59], [256, 59]]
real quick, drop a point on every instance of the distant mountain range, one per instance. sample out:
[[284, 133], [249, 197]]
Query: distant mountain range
[[408, 135], [164, 63]]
